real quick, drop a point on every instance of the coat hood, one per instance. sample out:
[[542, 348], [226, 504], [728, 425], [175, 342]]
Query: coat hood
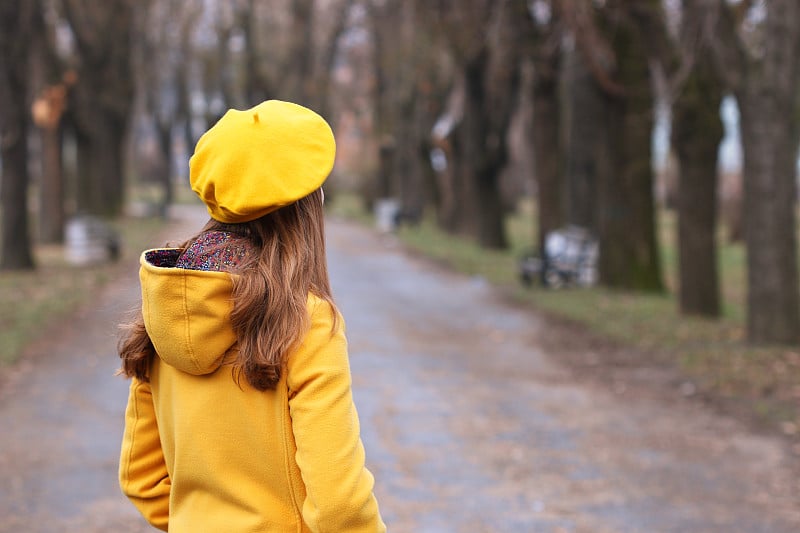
[[186, 312]]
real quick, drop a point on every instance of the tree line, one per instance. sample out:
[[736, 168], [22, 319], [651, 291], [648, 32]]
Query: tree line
[[435, 87]]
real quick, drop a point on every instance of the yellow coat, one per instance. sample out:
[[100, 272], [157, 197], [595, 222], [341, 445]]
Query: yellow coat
[[203, 453]]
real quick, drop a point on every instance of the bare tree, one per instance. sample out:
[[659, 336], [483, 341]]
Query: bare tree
[[613, 46], [483, 38], [16, 24], [101, 99], [165, 29], [258, 83], [390, 54], [48, 110], [300, 55], [544, 49], [763, 70], [49, 86], [696, 93], [327, 34], [411, 83], [583, 121], [687, 83], [290, 48]]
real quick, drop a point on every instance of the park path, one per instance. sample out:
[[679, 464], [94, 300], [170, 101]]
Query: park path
[[469, 422]]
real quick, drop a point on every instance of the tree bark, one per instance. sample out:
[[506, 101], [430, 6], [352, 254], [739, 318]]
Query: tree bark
[[484, 155], [770, 150], [468, 138], [769, 128], [16, 251], [299, 81], [164, 132], [392, 53], [51, 194], [408, 99], [410, 176], [629, 257], [584, 125], [49, 85], [257, 87], [100, 161], [83, 159], [547, 156], [446, 206], [15, 23], [769, 136], [696, 133], [766, 88], [491, 71], [327, 57], [545, 52], [103, 96]]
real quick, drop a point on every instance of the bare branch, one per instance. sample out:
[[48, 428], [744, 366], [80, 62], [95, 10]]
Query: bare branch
[[719, 30], [594, 49]]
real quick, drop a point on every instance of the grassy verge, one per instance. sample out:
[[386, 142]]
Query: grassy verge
[[759, 383], [29, 301]]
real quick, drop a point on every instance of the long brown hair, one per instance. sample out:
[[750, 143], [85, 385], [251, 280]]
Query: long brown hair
[[270, 291]]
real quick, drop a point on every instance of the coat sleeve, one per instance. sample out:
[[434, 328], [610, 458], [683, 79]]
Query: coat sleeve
[[143, 475], [330, 455]]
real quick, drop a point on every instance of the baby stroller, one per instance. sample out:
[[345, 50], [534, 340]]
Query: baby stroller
[[569, 258]]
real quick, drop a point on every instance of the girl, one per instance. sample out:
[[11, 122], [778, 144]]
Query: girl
[[240, 416]]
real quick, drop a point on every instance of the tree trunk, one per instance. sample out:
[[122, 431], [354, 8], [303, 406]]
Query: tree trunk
[[49, 86], [481, 206], [466, 206], [492, 78], [324, 67], [547, 145], [165, 144], [256, 87], [383, 29], [16, 251], [408, 99], [103, 96], [584, 112], [99, 160], [770, 150], [446, 207], [299, 81], [769, 128], [491, 230], [696, 134], [409, 173], [100, 153], [766, 88], [629, 257], [15, 22], [483, 40], [386, 157], [183, 111], [82, 184], [51, 194]]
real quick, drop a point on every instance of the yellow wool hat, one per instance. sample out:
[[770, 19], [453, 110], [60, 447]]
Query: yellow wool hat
[[253, 162]]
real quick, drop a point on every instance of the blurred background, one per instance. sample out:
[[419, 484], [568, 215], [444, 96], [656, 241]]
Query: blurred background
[[627, 164]]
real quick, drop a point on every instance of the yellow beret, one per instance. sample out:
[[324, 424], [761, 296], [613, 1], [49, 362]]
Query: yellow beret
[[253, 162]]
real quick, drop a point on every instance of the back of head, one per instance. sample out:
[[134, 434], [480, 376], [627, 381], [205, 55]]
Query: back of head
[[263, 168]]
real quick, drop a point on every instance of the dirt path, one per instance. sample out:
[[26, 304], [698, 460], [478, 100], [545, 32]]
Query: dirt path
[[469, 422]]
